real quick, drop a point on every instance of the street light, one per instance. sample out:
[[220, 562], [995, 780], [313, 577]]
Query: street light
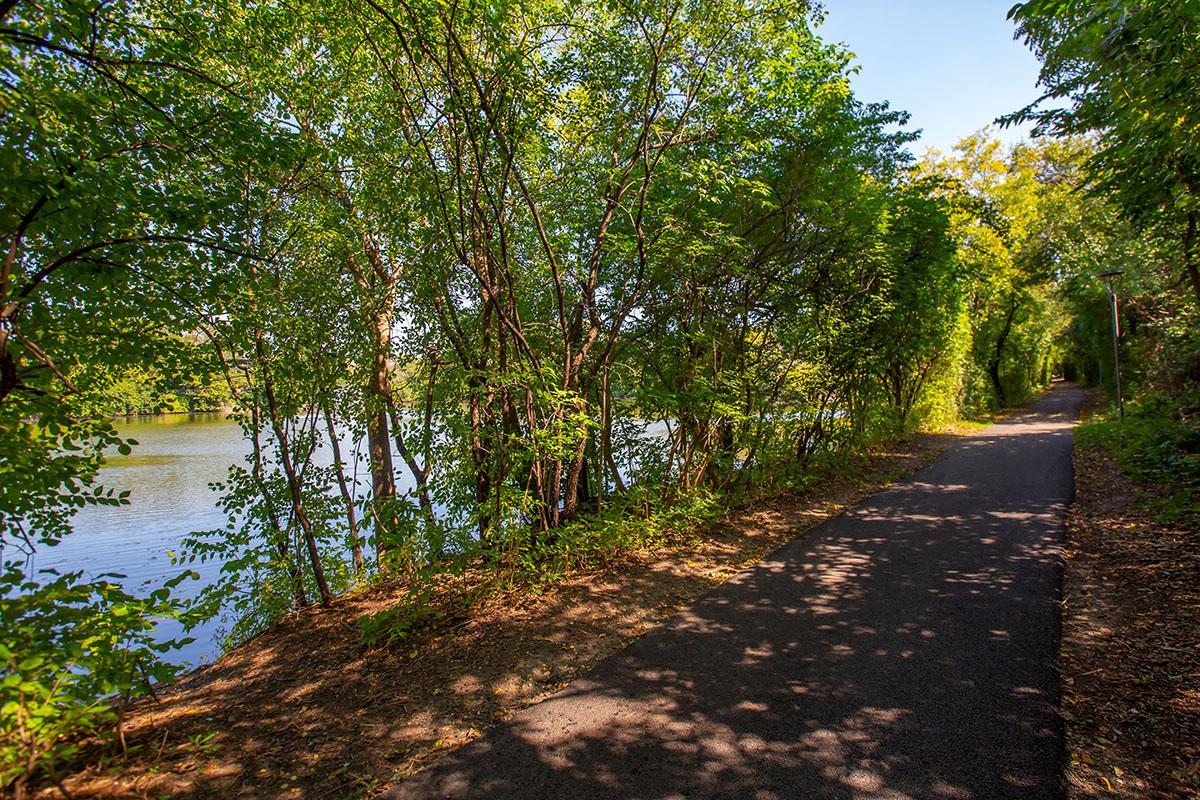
[[1108, 276]]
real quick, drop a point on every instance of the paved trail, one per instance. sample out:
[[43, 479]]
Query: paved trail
[[904, 650]]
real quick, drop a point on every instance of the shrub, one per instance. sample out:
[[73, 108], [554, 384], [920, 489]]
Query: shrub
[[74, 654]]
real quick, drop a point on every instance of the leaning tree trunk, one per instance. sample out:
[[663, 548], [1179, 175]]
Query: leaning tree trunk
[[997, 353], [343, 485]]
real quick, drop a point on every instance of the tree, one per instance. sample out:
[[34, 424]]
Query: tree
[[1129, 73], [117, 130], [998, 205]]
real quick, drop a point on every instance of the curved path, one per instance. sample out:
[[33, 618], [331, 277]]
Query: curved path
[[906, 649]]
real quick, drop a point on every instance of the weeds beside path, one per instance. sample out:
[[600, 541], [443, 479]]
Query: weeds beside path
[[304, 712]]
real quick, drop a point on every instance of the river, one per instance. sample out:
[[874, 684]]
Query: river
[[168, 476]]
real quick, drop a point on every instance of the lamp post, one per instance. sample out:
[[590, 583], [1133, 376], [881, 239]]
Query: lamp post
[[1108, 276]]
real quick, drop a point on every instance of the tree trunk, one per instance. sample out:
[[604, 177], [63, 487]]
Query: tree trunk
[[293, 481], [574, 471], [379, 440], [420, 474], [281, 539], [1190, 255], [606, 431], [997, 385], [347, 498], [994, 362]]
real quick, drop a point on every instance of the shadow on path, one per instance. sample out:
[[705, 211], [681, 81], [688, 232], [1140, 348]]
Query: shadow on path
[[904, 650]]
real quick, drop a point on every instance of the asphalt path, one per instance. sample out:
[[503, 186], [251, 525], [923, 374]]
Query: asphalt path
[[906, 649]]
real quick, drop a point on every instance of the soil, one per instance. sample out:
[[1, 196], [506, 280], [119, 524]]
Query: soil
[[303, 711], [1131, 642]]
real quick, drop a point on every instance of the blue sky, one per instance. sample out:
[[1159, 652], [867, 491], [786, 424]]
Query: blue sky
[[952, 64]]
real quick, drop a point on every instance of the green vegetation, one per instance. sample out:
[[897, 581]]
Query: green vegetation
[[1125, 73], [1158, 449], [75, 653], [1125, 77], [494, 242]]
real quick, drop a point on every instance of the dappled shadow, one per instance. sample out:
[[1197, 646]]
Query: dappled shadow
[[303, 712], [904, 650], [852, 663]]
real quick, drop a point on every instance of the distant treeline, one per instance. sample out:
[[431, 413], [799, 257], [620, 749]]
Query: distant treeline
[[141, 391]]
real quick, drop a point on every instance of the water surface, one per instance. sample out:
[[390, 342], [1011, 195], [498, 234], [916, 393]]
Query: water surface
[[168, 476]]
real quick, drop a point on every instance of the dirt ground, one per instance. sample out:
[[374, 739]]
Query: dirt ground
[[303, 711], [1131, 643]]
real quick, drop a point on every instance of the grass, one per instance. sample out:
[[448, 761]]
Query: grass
[[643, 518], [1156, 447]]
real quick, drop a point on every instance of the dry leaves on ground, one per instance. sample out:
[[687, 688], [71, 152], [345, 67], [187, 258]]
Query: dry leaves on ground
[[302, 711], [1131, 643]]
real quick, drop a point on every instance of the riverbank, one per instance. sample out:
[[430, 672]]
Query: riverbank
[[1131, 643], [303, 711], [138, 416]]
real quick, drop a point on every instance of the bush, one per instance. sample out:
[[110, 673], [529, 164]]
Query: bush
[[74, 654], [1155, 445]]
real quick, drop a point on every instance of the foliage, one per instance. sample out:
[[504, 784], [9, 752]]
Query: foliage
[[1157, 447], [174, 384], [74, 653], [1001, 204], [108, 243], [1129, 73]]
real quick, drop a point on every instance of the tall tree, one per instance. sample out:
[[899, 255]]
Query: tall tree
[[1129, 73]]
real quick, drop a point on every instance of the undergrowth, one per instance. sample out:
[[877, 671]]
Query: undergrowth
[[1158, 448], [640, 519]]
